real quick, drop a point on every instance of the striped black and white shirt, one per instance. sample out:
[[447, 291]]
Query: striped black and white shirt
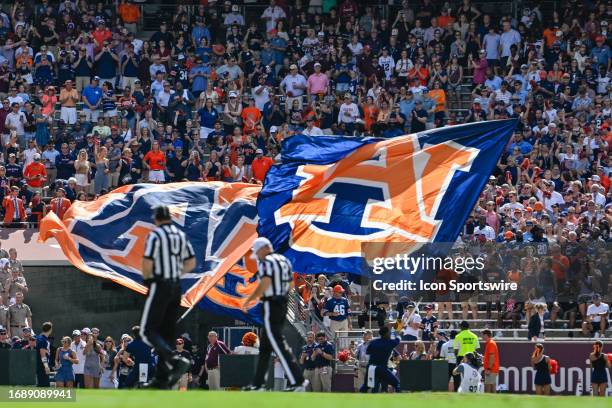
[[168, 248], [278, 269]]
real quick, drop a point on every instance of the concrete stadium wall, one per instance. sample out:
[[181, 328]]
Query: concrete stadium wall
[[72, 299]]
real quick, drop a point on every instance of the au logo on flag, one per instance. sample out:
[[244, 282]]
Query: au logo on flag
[[331, 195], [384, 191], [106, 238]]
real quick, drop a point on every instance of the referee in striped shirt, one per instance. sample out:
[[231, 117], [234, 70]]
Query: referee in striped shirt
[[167, 255], [275, 281]]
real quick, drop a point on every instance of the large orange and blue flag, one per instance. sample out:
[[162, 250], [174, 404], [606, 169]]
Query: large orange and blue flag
[[106, 238], [332, 195]]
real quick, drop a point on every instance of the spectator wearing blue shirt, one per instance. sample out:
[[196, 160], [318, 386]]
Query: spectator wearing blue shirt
[[519, 92], [92, 98], [493, 81], [200, 31], [203, 50], [338, 310], [198, 75], [380, 351], [279, 47], [342, 74], [518, 141], [267, 55], [323, 355], [407, 104], [601, 52], [306, 359], [208, 117]]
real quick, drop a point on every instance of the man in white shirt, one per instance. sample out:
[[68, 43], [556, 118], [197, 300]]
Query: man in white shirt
[[163, 98], [29, 153], [261, 94], [596, 318], [598, 192], [549, 196], [15, 121], [348, 114], [483, 229], [48, 156], [513, 204], [447, 352], [234, 17], [411, 322], [502, 94], [272, 14], [294, 85], [78, 346], [311, 129]]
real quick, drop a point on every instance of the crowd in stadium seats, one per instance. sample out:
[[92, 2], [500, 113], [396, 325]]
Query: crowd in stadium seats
[[90, 103]]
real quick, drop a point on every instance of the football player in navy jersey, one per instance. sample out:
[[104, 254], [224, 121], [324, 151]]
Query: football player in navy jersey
[[43, 353], [380, 350], [338, 310]]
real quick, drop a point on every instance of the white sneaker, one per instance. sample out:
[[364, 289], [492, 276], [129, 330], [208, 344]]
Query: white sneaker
[[302, 387], [596, 335], [498, 334]]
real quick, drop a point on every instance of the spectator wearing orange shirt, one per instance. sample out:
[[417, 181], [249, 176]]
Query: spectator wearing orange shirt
[[439, 96], [14, 211], [260, 166], [101, 34], [490, 362], [35, 174], [251, 116], [60, 204], [370, 113], [129, 13], [420, 72], [155, 160]]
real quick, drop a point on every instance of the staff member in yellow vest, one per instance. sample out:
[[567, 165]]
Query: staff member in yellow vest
[[465, 341]]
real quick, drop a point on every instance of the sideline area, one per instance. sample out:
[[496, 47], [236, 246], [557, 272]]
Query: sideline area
[[148, 399]]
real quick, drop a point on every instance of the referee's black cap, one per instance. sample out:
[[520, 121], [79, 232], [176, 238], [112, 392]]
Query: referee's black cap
[[162, 213]]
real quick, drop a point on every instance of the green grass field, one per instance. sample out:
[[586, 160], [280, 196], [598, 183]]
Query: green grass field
[[176, 399]]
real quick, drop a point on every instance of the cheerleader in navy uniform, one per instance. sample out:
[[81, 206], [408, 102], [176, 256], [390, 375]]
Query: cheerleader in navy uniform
[[541, 363], [599, 376]]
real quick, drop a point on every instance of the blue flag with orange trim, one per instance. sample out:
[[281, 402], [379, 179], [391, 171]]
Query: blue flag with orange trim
[[106, 238], [333, 195]]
